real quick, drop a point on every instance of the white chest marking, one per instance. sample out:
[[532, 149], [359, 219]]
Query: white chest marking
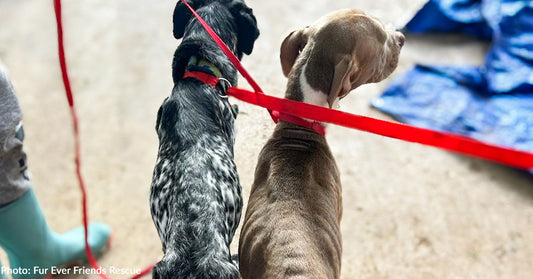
[[312, 96]]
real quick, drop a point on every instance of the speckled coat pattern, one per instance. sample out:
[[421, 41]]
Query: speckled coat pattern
[[196, 197]]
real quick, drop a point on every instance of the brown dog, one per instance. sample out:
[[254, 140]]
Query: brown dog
[[291, 228]]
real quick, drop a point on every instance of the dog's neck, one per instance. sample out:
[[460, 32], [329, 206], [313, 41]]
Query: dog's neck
[[311, 78], [288, 130], [300, 89]]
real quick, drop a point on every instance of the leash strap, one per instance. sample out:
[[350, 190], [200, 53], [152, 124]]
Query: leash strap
[[70, 98], [448, 141]]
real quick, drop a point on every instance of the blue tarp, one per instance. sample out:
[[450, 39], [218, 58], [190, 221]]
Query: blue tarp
[[492, 102]]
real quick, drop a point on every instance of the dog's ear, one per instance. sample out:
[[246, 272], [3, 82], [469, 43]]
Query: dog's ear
[[167, 116], [181, 17], [345, 67], [246, 23], [291, 47], [181, 57]]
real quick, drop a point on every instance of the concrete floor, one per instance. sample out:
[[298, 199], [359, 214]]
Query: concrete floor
[[410, 211]]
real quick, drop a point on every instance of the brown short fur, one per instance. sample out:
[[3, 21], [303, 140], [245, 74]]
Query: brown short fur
[[292, 223]]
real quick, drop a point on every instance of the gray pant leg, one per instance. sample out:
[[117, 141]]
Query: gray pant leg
[[14, 181]]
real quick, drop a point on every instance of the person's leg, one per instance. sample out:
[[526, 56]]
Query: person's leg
[[30, 243], [24, 234], [14, 181]]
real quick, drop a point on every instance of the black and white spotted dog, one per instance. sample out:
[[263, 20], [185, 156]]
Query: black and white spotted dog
[[196, 196]]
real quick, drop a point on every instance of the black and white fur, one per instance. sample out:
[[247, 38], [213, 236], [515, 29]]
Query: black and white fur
[[196, 196]]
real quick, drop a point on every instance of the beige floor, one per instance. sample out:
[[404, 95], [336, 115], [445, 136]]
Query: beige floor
[[409, 211]]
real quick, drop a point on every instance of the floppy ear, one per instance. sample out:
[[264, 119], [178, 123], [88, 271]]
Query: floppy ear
[[290, 48], [342, 83], [246, 23], [181, 57], [167, 116], [181, 17]]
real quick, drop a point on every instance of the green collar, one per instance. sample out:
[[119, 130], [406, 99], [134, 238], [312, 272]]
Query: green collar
[[203, 65]]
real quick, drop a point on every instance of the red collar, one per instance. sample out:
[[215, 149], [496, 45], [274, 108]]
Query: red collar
[[313, 125], [213, 81], [203, 77]]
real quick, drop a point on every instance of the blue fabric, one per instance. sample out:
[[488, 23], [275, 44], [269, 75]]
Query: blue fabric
[[509, 62], [451, 16], [449, 99], [492, 103]]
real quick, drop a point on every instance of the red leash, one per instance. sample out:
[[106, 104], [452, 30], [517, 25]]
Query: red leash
[[448, 141], [404, 132], [70, 98]]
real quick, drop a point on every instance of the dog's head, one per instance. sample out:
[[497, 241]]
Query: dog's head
[[341, 51], [221, 15]]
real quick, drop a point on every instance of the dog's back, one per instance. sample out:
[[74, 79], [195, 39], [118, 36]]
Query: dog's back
[[195, 191], [196, 196], [299, 207], [292, 223]]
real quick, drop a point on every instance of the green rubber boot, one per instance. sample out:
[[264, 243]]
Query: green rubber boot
[[2, 273], [35, 248]]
